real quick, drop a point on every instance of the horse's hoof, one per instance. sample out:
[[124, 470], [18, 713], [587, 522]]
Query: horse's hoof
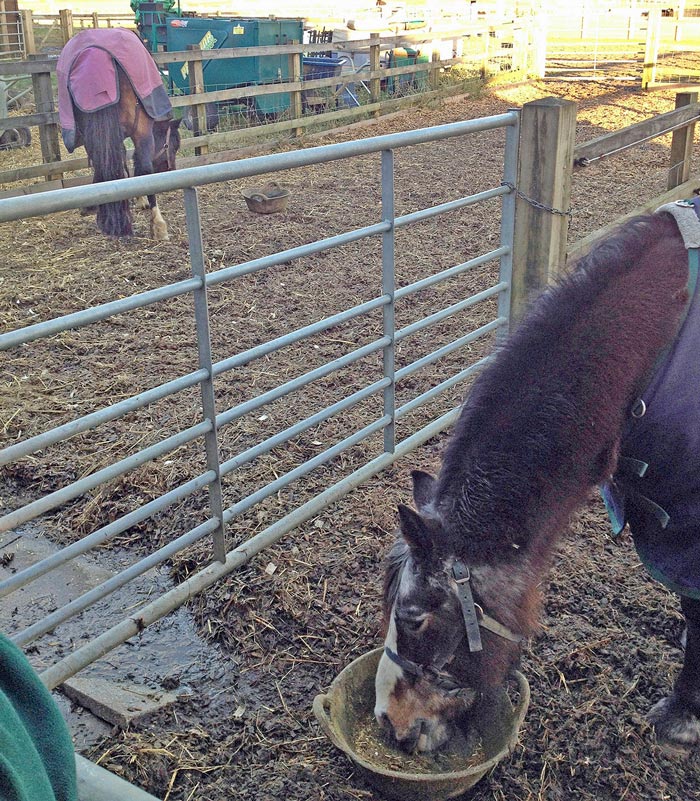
[[159, 235], [141, 203], [677, 729]]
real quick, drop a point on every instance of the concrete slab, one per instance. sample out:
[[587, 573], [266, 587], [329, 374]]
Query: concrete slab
[[118, 704]]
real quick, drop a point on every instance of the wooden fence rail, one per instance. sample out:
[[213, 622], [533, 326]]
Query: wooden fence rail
[[41, 68]]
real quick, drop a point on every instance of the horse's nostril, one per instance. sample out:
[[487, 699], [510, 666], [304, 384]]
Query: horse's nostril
[[383, 720]]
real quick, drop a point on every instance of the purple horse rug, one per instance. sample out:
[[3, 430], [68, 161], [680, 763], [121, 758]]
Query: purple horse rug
[[656, 488], [87, 77]]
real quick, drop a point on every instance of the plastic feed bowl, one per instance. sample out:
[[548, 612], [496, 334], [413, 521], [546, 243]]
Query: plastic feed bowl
[[267, 199], [349, 702]]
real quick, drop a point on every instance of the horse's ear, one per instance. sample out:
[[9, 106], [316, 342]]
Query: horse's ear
[[414, 529], [423, 488]]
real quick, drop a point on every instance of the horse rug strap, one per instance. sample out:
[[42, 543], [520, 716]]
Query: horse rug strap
[[87, 77], [656, 487]]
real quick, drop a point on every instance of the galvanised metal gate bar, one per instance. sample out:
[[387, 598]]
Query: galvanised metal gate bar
[[208, 371]]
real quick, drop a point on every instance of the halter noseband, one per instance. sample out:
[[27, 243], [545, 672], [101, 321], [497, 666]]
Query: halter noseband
[[474, 618], [441, 678]]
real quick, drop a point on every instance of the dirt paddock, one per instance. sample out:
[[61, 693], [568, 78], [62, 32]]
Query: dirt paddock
[[608, 647]]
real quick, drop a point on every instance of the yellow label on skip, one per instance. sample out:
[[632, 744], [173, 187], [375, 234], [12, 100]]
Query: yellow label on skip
[[238, 30]]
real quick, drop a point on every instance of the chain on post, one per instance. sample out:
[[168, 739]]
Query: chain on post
[[569, 213]]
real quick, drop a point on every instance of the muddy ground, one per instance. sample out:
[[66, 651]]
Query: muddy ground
[[608, 647]]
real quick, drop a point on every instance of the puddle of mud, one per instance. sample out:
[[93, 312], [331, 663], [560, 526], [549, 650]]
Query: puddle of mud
[[169, 655]]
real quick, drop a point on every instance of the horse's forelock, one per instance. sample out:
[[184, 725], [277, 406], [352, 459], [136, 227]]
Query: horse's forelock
[[394, 565]]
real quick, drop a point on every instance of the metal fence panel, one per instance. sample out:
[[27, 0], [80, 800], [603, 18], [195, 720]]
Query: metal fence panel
[[207, 374]]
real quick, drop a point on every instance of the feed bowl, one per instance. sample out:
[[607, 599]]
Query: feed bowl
[[346, 716], [267, 199]]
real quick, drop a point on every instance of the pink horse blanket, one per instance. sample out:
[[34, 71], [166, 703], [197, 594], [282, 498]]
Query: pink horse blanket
[[87, 77]]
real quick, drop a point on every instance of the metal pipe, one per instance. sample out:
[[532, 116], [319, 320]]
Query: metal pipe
[[247, 356], [282, 256], [450, 272], [90, 597], [297, 383], [103, 534], [54, 499], [304, 468], [432, 319], [92, 420], [389, 289], [129, 627], [70, 198], [438, 354], [201, 316], [78, 319], [97, 784], [284, 436], [451, 205]]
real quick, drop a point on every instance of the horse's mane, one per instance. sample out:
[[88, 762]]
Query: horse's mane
[[541, 424]]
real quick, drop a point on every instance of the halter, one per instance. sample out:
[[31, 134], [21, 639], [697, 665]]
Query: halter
[[166, 145], [473, 615], [441, 678], [474, 618]]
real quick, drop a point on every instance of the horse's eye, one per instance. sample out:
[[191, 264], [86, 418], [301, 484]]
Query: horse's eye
[[414, 624]]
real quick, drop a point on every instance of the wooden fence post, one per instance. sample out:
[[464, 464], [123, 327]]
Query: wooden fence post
[[66, 17], [651, 48], [295, 105], [26, 18], [545, 165], [48, 132], [537, 54], [199, 110], [681, 145], [435, 67], [375, 84]]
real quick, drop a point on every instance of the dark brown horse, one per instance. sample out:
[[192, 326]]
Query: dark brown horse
[[110, 90], [544, 424]]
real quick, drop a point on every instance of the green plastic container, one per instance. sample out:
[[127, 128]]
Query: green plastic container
[[212, 33]]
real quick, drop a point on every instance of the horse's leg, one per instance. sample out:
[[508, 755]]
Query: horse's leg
[[676, 719], [143, 165]]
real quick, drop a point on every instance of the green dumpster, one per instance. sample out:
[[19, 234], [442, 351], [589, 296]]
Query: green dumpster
[[211, 33]]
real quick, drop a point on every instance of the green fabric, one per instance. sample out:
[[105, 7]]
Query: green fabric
[[37, 761]]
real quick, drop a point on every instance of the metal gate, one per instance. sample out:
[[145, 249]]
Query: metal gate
[[208, 372]]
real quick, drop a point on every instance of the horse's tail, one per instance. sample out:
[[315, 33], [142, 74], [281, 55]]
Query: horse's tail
[[104, 142]]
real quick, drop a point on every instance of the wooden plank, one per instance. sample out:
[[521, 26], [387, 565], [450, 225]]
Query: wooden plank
[[634, 134], [296, 109], [240, 92], [66, 21], [353, 45], [42, 170], [684, 190], [29, 119], [42, 64]]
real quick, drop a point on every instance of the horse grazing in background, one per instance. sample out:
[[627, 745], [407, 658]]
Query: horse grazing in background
[[109, 89], [598, 385]]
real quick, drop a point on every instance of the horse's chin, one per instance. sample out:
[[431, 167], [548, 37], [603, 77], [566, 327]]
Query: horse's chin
[[434, 738]]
